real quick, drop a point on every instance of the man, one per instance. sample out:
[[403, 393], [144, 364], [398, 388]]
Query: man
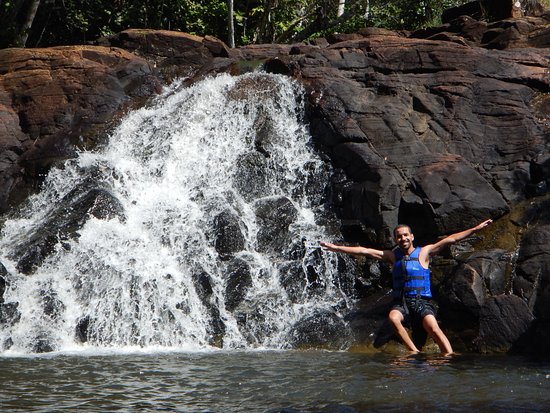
[[411, 280]]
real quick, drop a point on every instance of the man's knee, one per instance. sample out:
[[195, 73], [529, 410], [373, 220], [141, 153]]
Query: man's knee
[[430, 325], [395, 317]]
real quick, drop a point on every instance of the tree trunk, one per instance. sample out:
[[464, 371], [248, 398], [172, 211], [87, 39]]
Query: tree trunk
[[32, 7], [341, 7], [230, 24]]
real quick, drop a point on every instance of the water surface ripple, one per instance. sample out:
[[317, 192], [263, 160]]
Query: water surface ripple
[[272, 381]]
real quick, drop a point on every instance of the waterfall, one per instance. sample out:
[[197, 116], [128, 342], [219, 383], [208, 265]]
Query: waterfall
[[197, 220]]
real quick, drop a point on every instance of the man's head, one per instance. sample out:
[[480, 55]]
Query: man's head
[[403, 237]]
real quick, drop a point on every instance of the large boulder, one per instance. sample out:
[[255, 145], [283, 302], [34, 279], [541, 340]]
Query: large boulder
[[174, 53], [505, 324], [323, 329]]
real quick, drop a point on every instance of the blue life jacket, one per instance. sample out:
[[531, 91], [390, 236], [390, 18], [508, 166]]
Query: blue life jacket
[[410, 279]]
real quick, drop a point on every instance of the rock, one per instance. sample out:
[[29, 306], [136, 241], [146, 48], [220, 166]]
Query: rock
[[9, 314], [3, 283], [229, 237], [239, 280], [203, 286], [63, 222], [397, 134], [81, 329], [53, 306], [293, 280], [251, 177], [52, 100], [274, 214], [480, 276], [468, 290], [532, 282], [323, 329], [505, 322], [176, 54], [216, 328], [369, 323], [503, 30], [42, 344], [493, 9]]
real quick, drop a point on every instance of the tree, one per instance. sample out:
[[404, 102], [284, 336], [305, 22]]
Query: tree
[[341, 7], [16, 22], [56, 22], [230, 25]]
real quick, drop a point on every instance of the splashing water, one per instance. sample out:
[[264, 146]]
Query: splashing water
[[213, 190]]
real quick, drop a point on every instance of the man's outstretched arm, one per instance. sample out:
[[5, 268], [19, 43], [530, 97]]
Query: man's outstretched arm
[[454, 238], [382, 255]]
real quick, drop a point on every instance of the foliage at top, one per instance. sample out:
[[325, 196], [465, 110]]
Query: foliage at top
[[40, 23]]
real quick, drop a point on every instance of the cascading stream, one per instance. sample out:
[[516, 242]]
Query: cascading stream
[[196, 215]]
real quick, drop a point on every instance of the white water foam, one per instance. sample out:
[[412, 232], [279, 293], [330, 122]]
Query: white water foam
[[174, 166]]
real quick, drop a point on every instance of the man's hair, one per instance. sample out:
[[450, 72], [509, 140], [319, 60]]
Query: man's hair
[[401, 226]]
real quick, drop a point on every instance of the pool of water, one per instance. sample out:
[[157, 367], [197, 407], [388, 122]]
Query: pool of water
[[268, 381]]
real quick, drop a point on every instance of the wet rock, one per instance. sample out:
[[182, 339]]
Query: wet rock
[[63, 222], [320, 330], [251, 178], [3, 283], [274, 214], [229, 237], [293, 280], [239, 280], [532, 282], [482, 275], [81, 329], [505, 322], [368, 321], [9, 314], [540, 339], [42, 344], [539, 168], [203, 285], [252, 323], [7, 344], [53, 306], [216, 328]]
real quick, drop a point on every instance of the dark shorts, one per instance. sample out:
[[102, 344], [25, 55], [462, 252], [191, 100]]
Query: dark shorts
[[415, 308]]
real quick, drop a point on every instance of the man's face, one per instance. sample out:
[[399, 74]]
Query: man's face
[[404, 238]]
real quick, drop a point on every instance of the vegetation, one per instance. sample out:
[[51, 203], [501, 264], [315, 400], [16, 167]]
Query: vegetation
[[39, 23]]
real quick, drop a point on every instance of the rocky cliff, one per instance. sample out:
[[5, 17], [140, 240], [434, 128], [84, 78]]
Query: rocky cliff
[[439, 129]]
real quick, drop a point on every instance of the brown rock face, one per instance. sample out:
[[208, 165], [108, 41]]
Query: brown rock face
[[444, 134], [52, 100]]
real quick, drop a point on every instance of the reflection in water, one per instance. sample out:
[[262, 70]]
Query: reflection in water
[[274, 381], [421, 361]]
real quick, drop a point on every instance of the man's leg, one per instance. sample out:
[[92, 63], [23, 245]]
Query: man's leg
[[432, 328], [396, 319]]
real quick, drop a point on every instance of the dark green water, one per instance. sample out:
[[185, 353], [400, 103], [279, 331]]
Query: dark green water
[[290, 381]]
